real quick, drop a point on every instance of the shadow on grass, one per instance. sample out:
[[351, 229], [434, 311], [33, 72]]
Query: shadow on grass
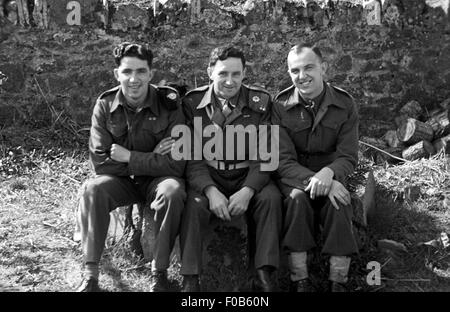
[[409, 223]]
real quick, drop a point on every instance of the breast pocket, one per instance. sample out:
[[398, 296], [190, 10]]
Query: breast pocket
[[155, 126], [330, 127], [117, 129], [248, 119], [298, 130], [293, 124]]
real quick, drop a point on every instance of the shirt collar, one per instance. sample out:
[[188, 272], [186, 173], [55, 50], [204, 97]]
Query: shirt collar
[[317, 100], [151, 101], [326, 98], [210, 98]]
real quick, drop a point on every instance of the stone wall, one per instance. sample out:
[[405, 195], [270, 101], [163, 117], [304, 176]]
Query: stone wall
[[384, 53]]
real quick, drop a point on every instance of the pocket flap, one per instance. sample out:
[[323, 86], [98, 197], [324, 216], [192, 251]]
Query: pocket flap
[[296, 124]]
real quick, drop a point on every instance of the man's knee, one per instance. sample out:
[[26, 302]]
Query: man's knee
[[269, 194], [344, 213], [172, 188], [169, 194], [101, 184], [297, 197]]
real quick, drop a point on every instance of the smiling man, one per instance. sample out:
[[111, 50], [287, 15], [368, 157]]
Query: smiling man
[[129, 149], [318, 150], [227, 188]]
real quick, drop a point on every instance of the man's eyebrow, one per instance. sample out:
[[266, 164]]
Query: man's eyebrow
[[137, 69]]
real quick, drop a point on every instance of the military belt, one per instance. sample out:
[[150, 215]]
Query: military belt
[[220, 165]]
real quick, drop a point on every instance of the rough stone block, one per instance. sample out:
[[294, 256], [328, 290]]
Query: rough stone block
[[129, 16], [225, 255], [148, 233], [116, 225]]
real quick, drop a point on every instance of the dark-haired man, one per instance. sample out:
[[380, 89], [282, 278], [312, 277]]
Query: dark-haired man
[[318, 150], [129, 150], [227, 187]]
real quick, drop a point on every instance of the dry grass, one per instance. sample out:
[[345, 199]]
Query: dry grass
[[431, 176]]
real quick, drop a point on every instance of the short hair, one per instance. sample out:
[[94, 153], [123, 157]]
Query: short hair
[[300, 46], [141, 51], [222, 53]]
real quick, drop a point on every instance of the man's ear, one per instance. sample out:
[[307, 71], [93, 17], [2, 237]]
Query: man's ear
[[244, 72], [152, 73], [209, 71], [116, 73], [324, 67]]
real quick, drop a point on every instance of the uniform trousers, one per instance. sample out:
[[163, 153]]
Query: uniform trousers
[[263, 216], [104, 193], [302, 217]]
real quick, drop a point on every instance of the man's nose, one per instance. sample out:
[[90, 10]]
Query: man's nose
[[133, 77], [301, 74], [229, 80]]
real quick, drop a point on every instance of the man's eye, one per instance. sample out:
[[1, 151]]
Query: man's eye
[[142, 71]]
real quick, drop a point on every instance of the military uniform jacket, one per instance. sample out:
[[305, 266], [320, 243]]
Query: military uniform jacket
[[139, 132], [308, 143], [252, 108]]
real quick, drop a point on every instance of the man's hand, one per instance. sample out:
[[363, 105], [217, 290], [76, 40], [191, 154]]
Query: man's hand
[[339, 192], [218, 203], [120, 153], [239, 201], [164, 146], [320, 183]]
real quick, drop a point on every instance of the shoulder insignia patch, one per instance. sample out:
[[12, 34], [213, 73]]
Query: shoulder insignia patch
[[258, 100], [168, 96]]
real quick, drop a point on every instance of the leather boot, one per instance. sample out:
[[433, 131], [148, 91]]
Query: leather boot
[[337, 287], [160, 283], [303, 285], [89, 285], [191, 283]]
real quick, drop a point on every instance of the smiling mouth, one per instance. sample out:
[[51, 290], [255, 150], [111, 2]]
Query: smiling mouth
[[305, 83]]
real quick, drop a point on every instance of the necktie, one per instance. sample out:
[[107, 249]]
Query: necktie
[[226, 109]]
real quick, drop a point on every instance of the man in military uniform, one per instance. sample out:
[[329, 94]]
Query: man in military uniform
[[224, 188], [129, 150], [318, 150]]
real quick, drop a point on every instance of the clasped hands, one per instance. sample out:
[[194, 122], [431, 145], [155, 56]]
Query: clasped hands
[[225, 208], [121, 154], [322, 184]]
